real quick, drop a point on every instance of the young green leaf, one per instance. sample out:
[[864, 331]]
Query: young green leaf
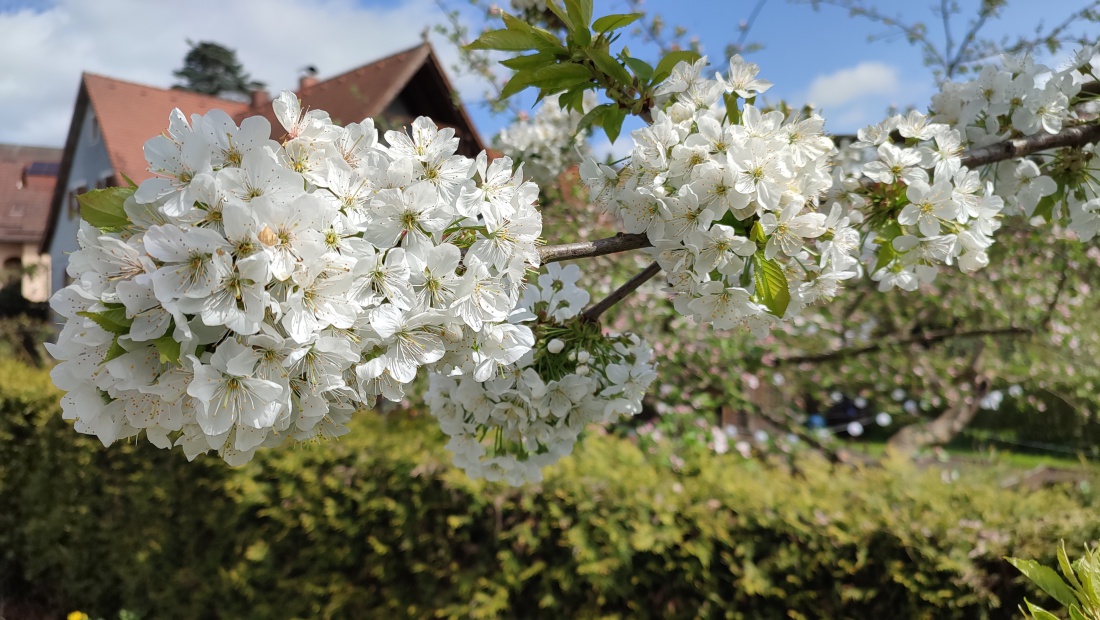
[[115, 351], [1067, 568], [642, 69], [1046, 579], [610, 23], [530, 61], [555, 78], [604, 62], [572, 99], [557, 10], [613, 122], [518, 82], [508, 41], [103, 208], [112, 320], [168, 348], [519, 25], [771, 284], [580, 13], [593, 117]]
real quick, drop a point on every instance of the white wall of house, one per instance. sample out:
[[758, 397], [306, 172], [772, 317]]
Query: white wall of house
[[91, 165], [36, 273]]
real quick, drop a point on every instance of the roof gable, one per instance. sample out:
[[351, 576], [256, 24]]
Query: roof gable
[[129, 114], [27, 178]]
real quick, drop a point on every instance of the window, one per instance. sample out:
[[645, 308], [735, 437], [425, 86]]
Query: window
[[73, 204], [95, 135]]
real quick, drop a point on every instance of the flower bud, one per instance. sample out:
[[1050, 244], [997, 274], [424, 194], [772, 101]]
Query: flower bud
[[583, 357], [555, 346]]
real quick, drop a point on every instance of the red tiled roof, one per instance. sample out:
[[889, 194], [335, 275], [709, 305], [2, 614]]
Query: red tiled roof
[[360, 93], [129, 114], [24, 193]]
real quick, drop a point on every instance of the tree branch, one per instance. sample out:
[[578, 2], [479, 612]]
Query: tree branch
[[593, 313], [1078, 135], [621, 242], [927, 338]]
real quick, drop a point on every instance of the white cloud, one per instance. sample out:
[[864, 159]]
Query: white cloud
[[854, 83], [145, 41]]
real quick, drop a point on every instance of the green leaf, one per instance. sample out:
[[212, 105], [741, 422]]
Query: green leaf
[[1045, 208], [518, 82], [593, 117], [1039, 613], [530, 61], [129, 182], [886, 253], [551, 42], [508, 41], [604, 62], [103, 208], [771, 284], [168, 348], [613, 122], [555, 78], [1046, 579], [556, 9], [572, 99], [757, 233], [610, 23], [641, 68], [1075, 614], [669, 62], [115, 351], [580, 13], [112, 320], [1067, 568]]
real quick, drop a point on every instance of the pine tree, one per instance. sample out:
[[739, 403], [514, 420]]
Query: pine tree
[[213, 69]]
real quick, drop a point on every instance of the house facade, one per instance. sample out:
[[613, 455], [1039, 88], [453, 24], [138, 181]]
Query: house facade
[[27, 178], [112, 120]]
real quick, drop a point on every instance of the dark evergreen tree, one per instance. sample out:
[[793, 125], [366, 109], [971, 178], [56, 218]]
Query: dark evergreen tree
[[213, 69]]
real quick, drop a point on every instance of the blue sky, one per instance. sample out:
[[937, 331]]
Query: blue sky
[[822, 56], [826, 57]]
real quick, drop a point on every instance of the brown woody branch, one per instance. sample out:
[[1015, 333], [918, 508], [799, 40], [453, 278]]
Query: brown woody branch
[[621, 242], [1078, 135], [927, 339], [593, 313]]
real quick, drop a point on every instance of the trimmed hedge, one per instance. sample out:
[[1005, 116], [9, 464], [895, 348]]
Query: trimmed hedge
[[379, 525]]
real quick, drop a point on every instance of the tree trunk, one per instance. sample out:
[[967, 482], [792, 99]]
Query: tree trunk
[[944, 428]]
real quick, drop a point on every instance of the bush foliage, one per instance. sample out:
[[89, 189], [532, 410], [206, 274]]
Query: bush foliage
[[380, 525]]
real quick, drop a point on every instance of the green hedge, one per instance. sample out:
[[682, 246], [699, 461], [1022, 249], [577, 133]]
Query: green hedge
[[379, 525]]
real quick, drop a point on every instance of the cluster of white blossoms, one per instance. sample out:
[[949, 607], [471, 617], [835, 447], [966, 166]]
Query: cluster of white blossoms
[[1024, 98], [255, 291], [530, 414], [547, 143], [729, 196], [924, 207], [927, 209]]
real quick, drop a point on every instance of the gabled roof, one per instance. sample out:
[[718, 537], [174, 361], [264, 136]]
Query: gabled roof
[[27, 178], [412, 79], [129, 114]]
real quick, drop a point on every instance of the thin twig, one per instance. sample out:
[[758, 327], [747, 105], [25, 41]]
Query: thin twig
[[593, 313], [923, 339]]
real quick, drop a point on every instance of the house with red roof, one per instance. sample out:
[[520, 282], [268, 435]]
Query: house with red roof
[[112, 120], [27, 178]]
